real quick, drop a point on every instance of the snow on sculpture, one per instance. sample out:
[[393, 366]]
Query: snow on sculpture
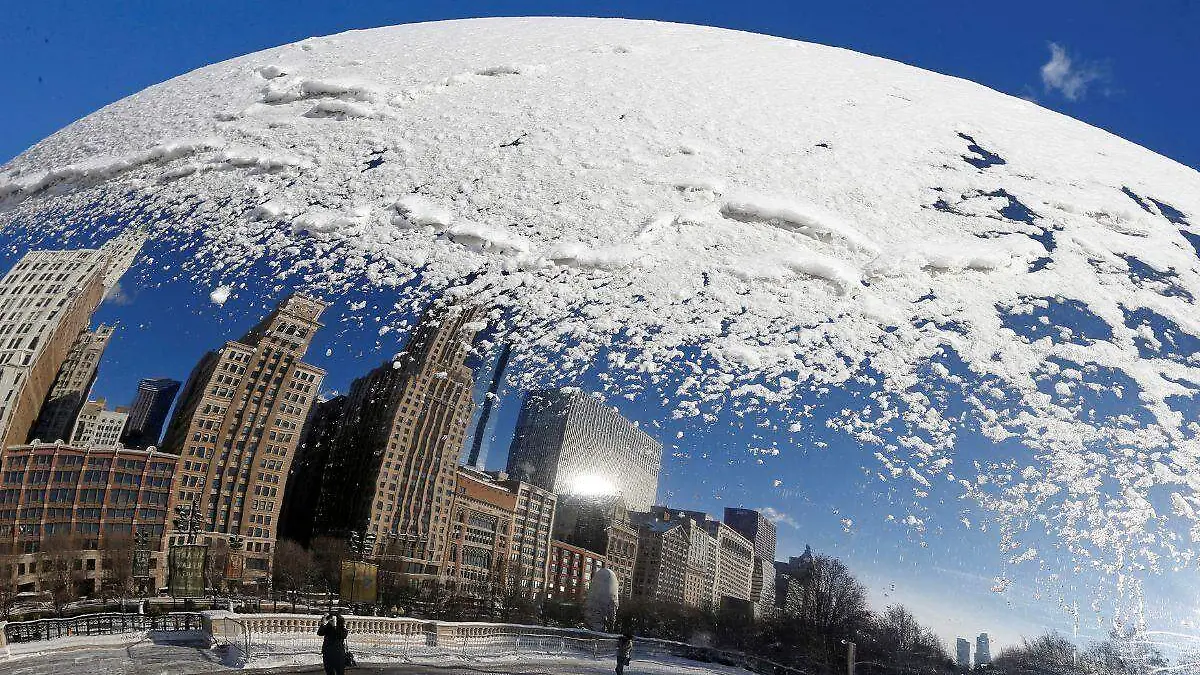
[[604, 592], [732, 221]]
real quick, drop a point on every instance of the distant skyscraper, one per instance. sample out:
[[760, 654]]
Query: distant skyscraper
[[983, 650], [237, 426], [762, 534], [98, 427], [149, 411], [394, 448], [46, 301], [571, 443], [71, 386], [964, 654], [483, 426]]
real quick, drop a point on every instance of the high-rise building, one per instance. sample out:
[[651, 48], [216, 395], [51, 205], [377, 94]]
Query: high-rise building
[[762, 534], [394, 448], [72, 385], [672, 558], [46, 302], [792, 581], [149, 411], [601, 524], [964, 654], [730, 560], [983, 650], [571, 443], [82, 502], [99, 427], [237, 425]]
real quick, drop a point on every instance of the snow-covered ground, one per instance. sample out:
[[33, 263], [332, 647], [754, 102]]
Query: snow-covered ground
[[146, 658], [729, 219]]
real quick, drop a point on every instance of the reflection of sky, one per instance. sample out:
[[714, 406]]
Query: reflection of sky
[[821, 483]]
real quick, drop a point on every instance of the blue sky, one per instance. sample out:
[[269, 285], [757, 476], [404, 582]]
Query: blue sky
[[1132, 73]]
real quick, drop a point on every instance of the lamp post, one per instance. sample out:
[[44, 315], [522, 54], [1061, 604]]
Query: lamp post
[[141, 558], [188, 561]]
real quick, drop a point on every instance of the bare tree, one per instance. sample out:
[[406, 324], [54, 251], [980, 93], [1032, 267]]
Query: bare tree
[[899, 639], [294, 568], [328, 554], [61, 569], [117, 566], [216, 564]]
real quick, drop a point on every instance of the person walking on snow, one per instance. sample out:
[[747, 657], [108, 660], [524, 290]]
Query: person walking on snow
[[624, 653], [333, 647]]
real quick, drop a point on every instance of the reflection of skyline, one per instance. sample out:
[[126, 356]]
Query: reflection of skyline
[[174, 323]]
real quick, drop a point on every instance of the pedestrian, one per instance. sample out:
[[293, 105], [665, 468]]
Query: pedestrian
[[624, 652], [333, 647]]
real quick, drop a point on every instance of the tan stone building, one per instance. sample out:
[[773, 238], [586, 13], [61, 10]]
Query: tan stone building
[[237, 425], [61, 504], [672, 558], [499, 537], [99, 427]]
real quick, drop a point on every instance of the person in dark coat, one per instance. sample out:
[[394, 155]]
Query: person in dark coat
[[624, 652], [333, 648]]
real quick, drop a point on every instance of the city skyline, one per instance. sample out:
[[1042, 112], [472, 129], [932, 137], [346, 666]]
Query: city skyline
[[222, 315]]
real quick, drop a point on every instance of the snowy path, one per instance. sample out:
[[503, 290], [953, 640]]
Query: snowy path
[[147, 658]]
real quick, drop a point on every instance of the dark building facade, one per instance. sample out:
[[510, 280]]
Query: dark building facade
[[393, 452], [148, 412]]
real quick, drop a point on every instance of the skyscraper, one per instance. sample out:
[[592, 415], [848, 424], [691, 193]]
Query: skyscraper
[[149, 411], [571, 443], [964, 654], [983, 650], [71, 386], [762, 534], [483, 425], [237, 425], [98, 427], [394, 449], [46, 301]]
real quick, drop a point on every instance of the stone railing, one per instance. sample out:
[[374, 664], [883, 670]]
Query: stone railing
[[293, 638]]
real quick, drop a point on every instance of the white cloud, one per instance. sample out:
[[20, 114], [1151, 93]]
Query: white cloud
[[1069, 77], [778, 516]]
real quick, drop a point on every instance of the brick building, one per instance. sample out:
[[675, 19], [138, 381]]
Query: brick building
[[83, 503]]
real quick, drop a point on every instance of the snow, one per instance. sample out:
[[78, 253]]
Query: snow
[[762, 218]]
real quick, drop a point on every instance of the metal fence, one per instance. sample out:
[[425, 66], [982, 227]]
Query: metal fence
[[100, 624]]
